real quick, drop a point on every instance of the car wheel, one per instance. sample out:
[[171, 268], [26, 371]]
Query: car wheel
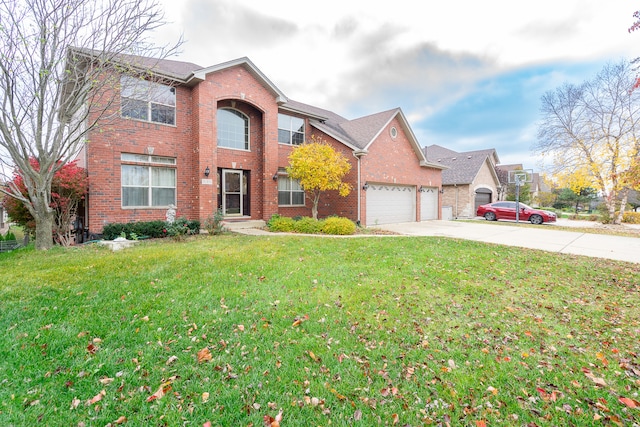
[[535, 219], [490, 216]]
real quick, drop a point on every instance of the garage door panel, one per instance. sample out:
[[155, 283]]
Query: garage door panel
[[388, 204], [429, 204]]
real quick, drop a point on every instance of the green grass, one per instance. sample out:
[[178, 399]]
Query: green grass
[[332, 331]]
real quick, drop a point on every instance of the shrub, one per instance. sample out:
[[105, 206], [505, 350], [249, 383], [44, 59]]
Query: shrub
[[2, 238], [151, 229], [307, 225], [182, 227], [10, 236], [631, 217], [280, 223], [338, 226], [213, 224]]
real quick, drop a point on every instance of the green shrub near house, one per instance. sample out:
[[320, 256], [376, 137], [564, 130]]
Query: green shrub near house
[[151, 229], [308, 225]]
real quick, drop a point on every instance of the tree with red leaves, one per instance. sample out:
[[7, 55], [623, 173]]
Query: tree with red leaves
[[68, 189]]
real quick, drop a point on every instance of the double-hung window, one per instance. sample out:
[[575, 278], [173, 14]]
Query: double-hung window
[[290, 193], [233, 129], [148, 181], [290, 130], [148, 101]]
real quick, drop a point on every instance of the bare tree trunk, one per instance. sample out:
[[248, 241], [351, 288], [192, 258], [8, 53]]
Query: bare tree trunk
[[44, 230]]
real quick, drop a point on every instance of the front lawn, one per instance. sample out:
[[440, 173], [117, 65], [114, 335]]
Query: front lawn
[[331, 331]]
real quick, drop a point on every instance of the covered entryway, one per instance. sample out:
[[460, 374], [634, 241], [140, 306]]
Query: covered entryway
[[483, 196], [389, 204], [429, 203], [234, 197]]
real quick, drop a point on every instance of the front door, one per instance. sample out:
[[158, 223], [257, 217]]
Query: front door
[[233, 189]]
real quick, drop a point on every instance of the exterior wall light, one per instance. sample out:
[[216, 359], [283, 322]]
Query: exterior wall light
[[365, 186], [207, 171]]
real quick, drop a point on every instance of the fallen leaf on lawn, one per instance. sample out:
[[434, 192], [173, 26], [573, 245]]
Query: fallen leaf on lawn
[[357, 416], [452, 364], [207, 424], [91, 349], [597, 380], [481, 423], [629, 402], [492, 390], [313, 356], [162, 390], [269, 421], [205, 397], [298, 320], [97, 398], [395, 418], [241, 328], [105, 381], [121, 420], [171, 360], [75, 403], [204, 355]]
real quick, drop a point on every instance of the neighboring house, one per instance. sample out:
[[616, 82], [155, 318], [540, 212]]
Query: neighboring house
[[469, 181], [218, 138]]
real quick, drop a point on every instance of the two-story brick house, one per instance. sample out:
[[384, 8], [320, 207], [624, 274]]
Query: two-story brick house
[[219, 137]]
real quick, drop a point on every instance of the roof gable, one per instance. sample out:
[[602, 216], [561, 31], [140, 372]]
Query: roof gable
[[201, 74], [462, 167]]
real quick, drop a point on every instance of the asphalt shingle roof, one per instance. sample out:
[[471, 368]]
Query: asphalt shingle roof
[[463, 167]]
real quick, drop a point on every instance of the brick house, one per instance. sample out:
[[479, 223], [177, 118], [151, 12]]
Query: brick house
[[469, 181], [219, 137]]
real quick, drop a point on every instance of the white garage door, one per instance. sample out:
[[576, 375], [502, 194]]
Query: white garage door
[[429, 203], [388, 204]]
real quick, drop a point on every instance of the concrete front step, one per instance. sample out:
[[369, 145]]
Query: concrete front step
[[238, 225]]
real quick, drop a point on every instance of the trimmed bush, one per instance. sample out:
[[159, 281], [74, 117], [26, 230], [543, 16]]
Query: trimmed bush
[[151, 229], [213, 224], [631, 217], [10, 236], [338, 226], [307, 225], [279, 223]]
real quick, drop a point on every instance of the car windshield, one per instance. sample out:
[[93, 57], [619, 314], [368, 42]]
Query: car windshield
[[523, 206]]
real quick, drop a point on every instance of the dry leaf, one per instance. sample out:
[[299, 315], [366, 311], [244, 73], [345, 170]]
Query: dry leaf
[[629, 402], [105, 381], [171, 360], [121, 420], [357, 416], [204, 355], [75, 403], [97, 398], [162, 390], [205, 397], [481, 423]]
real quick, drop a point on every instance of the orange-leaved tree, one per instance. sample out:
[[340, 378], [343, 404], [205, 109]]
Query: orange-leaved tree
[[318, 168]]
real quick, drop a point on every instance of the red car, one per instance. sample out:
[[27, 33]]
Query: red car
[[507, 210]]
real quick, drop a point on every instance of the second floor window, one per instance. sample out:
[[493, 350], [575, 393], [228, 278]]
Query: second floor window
[[233, 129], [148, 101], [290, 130]]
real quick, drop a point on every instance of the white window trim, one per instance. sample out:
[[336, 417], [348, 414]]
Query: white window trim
[[150, 102], [292, 131], [149, 164], [284, 175], [248, 143]]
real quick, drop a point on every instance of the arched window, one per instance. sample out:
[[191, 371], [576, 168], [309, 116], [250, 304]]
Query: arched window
[[233, 129]]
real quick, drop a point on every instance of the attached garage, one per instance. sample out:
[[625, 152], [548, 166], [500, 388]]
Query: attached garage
[[429, 203], [483, 196], [389, 203]]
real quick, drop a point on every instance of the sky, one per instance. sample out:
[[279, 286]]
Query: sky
[[468, 75]]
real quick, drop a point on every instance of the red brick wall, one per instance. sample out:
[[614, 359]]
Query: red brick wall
[[394, 160], [193, 142]]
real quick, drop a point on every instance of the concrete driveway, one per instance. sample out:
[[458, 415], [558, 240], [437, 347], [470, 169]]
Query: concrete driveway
[[543, 237]]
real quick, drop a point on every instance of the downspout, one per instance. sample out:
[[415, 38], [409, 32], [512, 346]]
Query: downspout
[[457, 190], [358, 154]]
